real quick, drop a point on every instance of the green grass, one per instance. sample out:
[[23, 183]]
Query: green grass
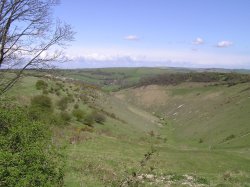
[[108, 157], [113, 79], [200, 111], [113, 150]]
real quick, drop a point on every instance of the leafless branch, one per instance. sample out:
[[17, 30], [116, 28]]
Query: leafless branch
[[29, 37]]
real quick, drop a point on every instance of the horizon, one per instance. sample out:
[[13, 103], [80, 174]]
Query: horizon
[[149, 67], [190, 34]]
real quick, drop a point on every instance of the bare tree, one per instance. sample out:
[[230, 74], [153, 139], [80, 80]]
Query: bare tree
[[29, 38]]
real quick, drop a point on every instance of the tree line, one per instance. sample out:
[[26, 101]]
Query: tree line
[[207, 77]]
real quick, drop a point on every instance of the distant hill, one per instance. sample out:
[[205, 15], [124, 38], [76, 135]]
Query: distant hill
[[113, 79]]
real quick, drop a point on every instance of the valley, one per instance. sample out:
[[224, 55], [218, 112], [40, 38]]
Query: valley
[[184, 134]]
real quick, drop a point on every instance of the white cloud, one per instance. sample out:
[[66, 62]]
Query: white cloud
[[108, 57], [223, 44], [198, 41], [103, 57], [131, 38]]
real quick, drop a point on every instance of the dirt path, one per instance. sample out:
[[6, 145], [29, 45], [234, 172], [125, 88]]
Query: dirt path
[[143, 114]]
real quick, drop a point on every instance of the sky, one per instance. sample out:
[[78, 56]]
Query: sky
[[175, 33]]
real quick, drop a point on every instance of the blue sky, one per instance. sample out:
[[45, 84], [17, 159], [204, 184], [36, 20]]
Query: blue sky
[[189, 33]]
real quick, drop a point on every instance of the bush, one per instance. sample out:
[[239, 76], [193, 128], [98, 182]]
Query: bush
[[201, 180], [51, 90], [41, 85], [89, 120], [63, 103], [58, 93], [59, 85], [41, 107], [98, 117], [35, 113], [76, 106], [79, 114], [230, 137], [42, 102], [55, 119], [27, 156], [65, 116]]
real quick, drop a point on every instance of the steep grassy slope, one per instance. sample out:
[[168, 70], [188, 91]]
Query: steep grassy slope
[[178, 147], [215, 115], [99, 151]]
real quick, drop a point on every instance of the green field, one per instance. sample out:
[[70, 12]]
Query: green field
[[113, 79], [197, 134]]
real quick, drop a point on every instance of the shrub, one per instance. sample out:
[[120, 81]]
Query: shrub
[[35, 113], [230, 137], [84, 98], [70, 98], [63, 103], [59, 85], [55, 119], [51, 90], [89, 120], [98, 117], [79, 114], [41, 107], [112, 115], [58, 93], [41, 85], [200, 140], [42, 102], [93, 117], [76, 106], [65, 116], [28, 158], [201, 180]]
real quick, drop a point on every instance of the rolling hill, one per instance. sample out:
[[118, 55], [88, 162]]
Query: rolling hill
[[188, 134]]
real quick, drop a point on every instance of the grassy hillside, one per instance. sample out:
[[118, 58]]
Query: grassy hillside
[[215, 115], [191, 134]]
